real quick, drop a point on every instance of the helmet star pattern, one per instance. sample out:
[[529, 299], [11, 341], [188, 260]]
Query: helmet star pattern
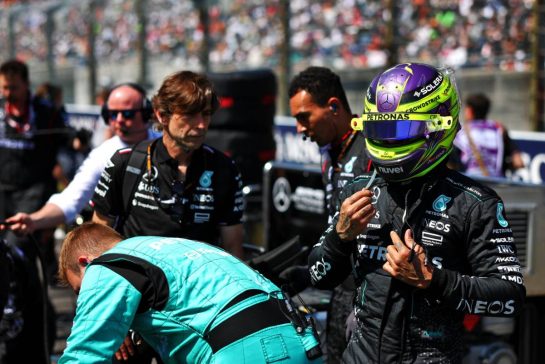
[[404, 146]]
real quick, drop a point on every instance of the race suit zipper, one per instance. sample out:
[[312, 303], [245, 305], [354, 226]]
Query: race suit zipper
[[405, 207], [404, 324], [410, 313], [363, 289]]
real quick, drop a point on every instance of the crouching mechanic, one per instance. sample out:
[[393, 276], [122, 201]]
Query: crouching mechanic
[[192, 302], [427, 245]]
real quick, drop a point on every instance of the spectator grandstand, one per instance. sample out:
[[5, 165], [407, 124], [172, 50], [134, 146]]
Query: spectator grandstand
[[341, 34]]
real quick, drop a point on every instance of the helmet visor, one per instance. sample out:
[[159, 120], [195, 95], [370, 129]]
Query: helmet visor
[[394, 130], [400, 126]]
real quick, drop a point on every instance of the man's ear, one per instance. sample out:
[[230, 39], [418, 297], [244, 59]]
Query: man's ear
[[83, 261], [334, 103], [159, 118]]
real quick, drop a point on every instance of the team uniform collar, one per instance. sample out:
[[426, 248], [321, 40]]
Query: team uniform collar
[[23, 122], [162, 156]]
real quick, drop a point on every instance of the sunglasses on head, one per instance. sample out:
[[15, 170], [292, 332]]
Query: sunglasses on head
[[127, 114]]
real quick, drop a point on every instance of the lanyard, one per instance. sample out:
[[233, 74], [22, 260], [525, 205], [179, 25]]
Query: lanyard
[[349, 137], [20, 127]]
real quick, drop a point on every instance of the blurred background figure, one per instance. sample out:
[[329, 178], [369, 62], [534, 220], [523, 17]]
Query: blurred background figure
[[51, 93], [104, 130], [101, 96], [31, 131], [485, 148], [68, 160], [63, 207], [71, 156]]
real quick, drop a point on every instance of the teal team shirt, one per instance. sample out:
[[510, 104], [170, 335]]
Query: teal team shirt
[[202, 280]]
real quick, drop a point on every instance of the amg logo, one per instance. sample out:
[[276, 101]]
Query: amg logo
[[390, 169], [479, 307], [515, 279]]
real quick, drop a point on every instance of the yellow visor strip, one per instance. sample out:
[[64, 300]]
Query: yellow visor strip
[[434, 122]]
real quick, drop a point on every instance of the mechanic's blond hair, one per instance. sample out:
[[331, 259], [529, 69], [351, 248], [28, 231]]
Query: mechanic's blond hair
[[89, 239]]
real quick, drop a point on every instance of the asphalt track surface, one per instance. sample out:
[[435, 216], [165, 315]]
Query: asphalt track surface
[[64, 302]]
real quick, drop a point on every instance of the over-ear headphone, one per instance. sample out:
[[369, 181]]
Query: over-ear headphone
[[147, 108], [334, 107]]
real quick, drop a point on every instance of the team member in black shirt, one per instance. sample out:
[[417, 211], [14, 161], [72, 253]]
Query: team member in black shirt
[[319, 104], [31, 131], [182, 188], [320, 107]]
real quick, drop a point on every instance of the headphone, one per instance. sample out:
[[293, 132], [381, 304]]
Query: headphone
[[147, 108], [334, 107]]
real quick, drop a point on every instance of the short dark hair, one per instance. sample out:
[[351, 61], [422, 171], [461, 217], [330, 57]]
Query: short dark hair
[[321, 83], [49, 91], [15, 67], [480, 104]]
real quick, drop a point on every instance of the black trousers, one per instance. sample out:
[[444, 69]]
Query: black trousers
[[342, 303], [35, 339]]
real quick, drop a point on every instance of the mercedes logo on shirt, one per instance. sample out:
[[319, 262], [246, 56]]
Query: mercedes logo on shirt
[[281, 194]]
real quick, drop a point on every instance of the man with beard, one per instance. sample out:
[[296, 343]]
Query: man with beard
[[31, 130], [181, 187]]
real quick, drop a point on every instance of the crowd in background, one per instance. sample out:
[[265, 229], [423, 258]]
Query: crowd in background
[[341, 34]]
